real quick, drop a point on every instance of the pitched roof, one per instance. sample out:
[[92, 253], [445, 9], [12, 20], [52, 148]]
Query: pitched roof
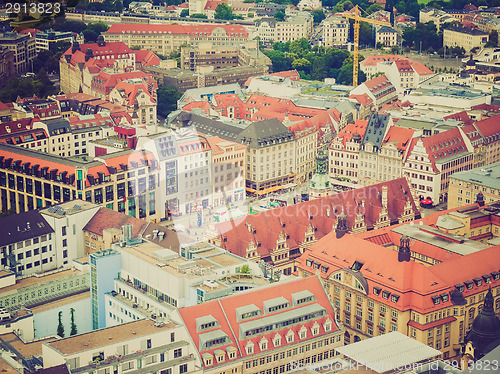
[[359, 127], [293, 221], [23, 226], [146, 58], [106, 218], [226, 312], [401, 136]]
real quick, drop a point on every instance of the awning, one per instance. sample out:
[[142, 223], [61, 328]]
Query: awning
[[248, 189], [269, 190]]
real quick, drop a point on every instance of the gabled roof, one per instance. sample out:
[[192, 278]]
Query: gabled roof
[[359, 127], [292, 222], [192, 30], [129, 92], [401, 136], [462, 116], [490, 129], [106, 218], [146, 58]]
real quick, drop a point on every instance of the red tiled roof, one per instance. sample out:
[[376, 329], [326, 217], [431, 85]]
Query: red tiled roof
[[415, 283], [146, 58], [404, 66], [378, 84], [359, 127], [204, 105], [320, 214], [192, 30], [363, 99], [490, 129], [460, 116], [106, 218], [17, 126], [224, 310], [399, 135], [214, 143], [374, 60], [211, 5], [130, 91]]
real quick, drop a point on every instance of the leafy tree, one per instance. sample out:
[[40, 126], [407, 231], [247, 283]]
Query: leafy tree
[[74, 330], [493, 39], [224, 11], [60, 327], [199, 15], [245, 269], [184, 13], [366, 34], [279, 16], [167, 99], [279, 60], [318, 15], [374, 8]]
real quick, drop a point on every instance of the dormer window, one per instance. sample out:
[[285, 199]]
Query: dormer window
[[469, 285], [277, 340], [327, 326], [436, 300], [263, 344], [376, 291], [290, 336], [357, 265], [303, 332], [460, 287], [249, 348], [385, 294], [315, 329], [478, 281], [444, 297], [495, 275], [394, 298]]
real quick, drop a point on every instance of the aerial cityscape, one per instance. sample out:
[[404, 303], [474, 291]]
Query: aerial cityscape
[[249, 187]]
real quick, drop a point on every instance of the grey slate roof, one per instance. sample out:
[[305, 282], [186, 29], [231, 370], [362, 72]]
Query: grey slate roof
[[23, 226], [57, 126], [265, 133], [375, 130]]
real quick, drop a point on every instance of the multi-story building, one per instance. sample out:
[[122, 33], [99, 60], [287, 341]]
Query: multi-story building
[[144, 344], [206, 54], [149, 279], [344, 151], [135, 95], [81, 66], [228, 166], [385, 64], [266, 29], [7, 65], [164, 39], [466, 185], [464, 37], [379, 89], [431, 160], [386, 36], [366, 278], [68, 220], [266, 329], [45, 40], [125, 181], [40, 108], [28, 245], [335, 32], [280, 235], [24, 50], [186, 79], [294, 28]]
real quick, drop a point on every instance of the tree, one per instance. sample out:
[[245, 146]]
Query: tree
[[318, 15], [184, 13], [374, 8], [493, 39], [74, 330], [223, 11], [167, 99], [245, 269], [60, 327], [279, 16]]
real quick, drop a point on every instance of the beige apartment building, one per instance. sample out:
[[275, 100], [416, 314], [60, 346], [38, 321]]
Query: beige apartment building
[[335, 32], [294, 28], [464, 37], [164, 39], [465, 186]]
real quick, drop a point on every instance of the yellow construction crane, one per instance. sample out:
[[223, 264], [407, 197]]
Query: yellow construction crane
[[357, 19]]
